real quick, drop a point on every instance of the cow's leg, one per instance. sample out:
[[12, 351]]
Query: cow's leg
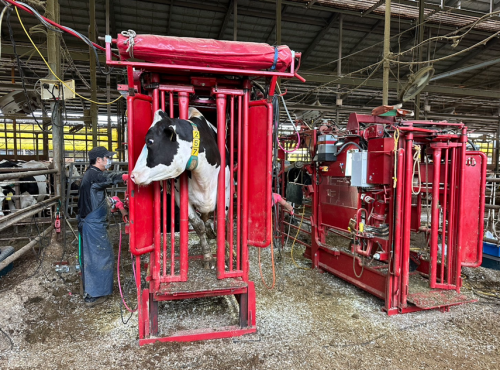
[[199, 228], [208, 227]]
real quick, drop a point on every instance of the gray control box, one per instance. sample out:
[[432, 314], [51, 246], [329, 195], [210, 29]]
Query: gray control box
[[359, 169]]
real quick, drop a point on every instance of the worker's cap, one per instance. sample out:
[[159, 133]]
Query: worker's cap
[[100, 152]]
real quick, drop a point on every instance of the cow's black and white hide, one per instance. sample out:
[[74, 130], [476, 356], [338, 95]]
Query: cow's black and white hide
[[165, 156], [32, 189]]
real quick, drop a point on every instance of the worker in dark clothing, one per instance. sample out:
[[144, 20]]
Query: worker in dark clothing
[[96, 255]]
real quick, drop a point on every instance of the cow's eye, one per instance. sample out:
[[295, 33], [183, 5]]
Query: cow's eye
[[150, 141]]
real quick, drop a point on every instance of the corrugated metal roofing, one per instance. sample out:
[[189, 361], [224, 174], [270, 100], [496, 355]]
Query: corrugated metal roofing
[[300, 27]]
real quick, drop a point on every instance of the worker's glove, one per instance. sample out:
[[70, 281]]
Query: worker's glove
[[118, 202]]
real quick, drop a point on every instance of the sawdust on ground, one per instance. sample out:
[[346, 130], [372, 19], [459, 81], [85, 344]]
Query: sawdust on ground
[[311, 320]]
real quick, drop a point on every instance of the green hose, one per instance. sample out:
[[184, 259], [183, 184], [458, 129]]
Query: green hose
[[80, 251]]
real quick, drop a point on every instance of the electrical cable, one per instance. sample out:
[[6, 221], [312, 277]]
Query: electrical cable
[[1, 17], [118, 273], [294, 239], [291, 121], [57, 77], [69, 30], [21, 72]]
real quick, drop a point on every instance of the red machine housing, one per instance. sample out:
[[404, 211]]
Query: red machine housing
[[420, 181], [242, 125]]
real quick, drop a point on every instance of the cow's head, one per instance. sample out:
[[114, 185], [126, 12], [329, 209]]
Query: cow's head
[[167, 150]]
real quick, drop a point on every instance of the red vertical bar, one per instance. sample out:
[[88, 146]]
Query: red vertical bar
[[452, 212], [155, 261], [245, 149], [444, 244], [184, 198], [407, 194], [231, 184], [172, 227], [156, 100], [239, 196], [164, 224], [139, 291], [221, 193], [269, 177], [461, 182], [171, 105], [398, 212], [163, 101], [130, 77], [155, 256], [436, 181]]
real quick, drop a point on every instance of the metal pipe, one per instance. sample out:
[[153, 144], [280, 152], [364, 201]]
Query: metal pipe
[[246, 164], [172, 227], [421, 29], [435, 216], [25, 249], [221, 193], [183, 98], [407, 194], [453, 218], [466, 69], [387, 45], [19, 215], [398, 213], [17, 175], [239, 196], [231, 184], [444, 244], [461, 198], [235, 20], [94, 111]]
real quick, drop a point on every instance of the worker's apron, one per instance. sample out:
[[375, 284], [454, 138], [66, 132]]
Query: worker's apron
[[97, 257]]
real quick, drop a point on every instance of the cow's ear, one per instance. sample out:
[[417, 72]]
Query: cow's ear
[[170, 133], [163, 114]]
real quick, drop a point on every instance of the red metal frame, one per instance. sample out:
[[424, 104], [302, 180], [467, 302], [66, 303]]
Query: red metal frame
[[454, 184], [168, 267]]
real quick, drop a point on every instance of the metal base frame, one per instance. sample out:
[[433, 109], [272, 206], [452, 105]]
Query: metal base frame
[[148, 316]]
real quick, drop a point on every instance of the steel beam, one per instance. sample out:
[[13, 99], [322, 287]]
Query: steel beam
[[108, 78], [227, 17], [466, 69], [372, 8], [235, 20], [353, 49], [93, 76], [387, 46], [54, 60], [421, 30], [110, 11], [355, 81], [169, 24], [474, 53], [278, 23], [331, 22]]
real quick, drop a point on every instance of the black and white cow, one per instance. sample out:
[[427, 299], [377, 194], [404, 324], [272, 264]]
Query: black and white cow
[[33, 189], [169, 143]]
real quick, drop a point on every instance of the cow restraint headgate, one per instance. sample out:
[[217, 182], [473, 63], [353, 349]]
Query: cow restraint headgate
[[179, 73]]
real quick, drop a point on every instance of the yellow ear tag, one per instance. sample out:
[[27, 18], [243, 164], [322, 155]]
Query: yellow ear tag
[[9, 196]]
